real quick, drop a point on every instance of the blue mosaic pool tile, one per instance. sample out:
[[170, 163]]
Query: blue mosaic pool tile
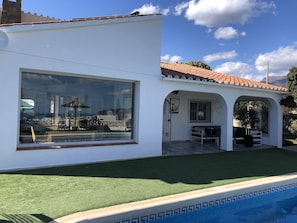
[[169, 213], [176, 211], [217, 202], [161, 214], [184, 210], [191, 208], [198, 206], [204, 205], [234, 198], [223, 201], [153, 217], [144, 219], [229, 199], [135, 220], [211, 203]]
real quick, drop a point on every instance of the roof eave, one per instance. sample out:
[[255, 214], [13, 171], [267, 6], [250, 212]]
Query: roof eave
[[223, 85]]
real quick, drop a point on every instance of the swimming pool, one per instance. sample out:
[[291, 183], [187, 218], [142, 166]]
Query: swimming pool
[[269, 199], [279, 206]]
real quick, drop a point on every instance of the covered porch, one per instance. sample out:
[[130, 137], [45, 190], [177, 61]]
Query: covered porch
[[205, 100]]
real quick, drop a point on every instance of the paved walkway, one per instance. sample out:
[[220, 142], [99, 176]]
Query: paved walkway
[[291, 148], [188, 147]]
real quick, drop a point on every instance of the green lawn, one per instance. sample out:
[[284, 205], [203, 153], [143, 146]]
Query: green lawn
[[46, 194]]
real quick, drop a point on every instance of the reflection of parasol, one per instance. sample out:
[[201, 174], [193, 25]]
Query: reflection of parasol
[[75, 104]]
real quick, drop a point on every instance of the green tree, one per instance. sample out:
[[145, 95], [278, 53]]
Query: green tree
[[289, 104], [199, 64], [289, 100], [246, 113], [291, 82]]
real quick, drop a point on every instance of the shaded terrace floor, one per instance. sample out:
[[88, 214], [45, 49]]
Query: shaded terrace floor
[[190, 147]]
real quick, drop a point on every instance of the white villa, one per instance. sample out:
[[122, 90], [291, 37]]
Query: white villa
[[94, 90]]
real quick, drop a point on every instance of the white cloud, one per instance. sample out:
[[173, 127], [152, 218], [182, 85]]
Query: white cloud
[[169, 58], [165, 11], [180, 8], [280, 60], [226, 33], [209, 30], [243, 33], [176, 59], [165, 57], [235, 68], [152, 9], [214, 13], [220, 56]]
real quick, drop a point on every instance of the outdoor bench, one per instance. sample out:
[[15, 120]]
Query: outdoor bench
[[202, 133], [241, 136]]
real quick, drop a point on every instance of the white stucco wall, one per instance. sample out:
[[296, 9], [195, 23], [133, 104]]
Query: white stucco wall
[[125, 49]]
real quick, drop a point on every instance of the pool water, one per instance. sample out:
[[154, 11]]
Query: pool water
[[276, 207]]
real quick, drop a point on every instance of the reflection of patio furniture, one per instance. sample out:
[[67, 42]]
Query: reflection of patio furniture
[[206, 133], [62, 125], [75, 104]]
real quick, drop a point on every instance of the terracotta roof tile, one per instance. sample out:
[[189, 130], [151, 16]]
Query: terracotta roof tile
[[178, 70]]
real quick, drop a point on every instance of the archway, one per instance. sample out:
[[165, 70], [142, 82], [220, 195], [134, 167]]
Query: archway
[[257, 113], [184, 109]]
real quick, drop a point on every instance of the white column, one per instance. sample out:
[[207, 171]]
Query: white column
[[275, 125], [227, 124]]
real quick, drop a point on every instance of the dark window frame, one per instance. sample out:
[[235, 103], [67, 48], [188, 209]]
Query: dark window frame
[[200, 111]]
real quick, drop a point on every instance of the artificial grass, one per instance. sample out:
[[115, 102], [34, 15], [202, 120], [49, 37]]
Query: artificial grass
[[46, 194]]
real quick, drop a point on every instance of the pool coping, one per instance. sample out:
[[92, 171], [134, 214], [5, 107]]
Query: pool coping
[[146, 210]]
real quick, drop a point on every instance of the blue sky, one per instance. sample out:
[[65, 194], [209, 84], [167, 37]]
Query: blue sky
[[237, 37]]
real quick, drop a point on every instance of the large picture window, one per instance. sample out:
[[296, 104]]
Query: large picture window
[[200, 111], [63, 109]]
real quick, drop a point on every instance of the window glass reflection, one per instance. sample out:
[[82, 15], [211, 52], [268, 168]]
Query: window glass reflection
[[61, 109], [200, 111]]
